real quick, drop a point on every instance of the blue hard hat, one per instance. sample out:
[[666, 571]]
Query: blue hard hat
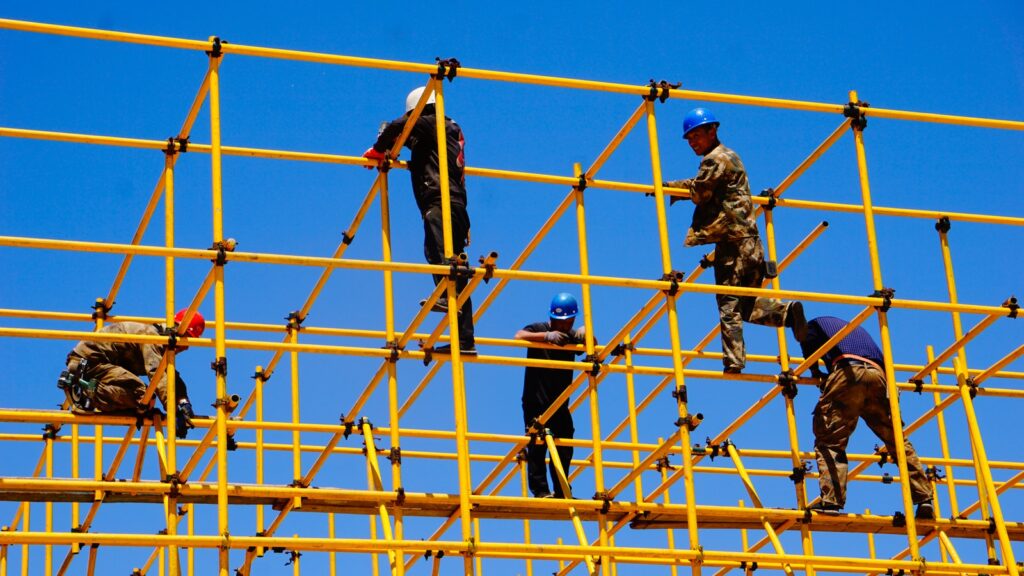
[[564, 306], [697, 117]]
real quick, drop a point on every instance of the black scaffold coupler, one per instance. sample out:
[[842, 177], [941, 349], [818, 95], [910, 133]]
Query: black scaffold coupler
[[447, 68], [295, 319], [1011, 303], [660, 90], [855, 112], [787, 380], [886, 294], [215, 47], [673, 277], [799, 472], [100, 309], [769, 193], [942, 225]]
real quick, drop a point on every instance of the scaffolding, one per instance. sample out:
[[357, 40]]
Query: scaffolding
[[392, 499]]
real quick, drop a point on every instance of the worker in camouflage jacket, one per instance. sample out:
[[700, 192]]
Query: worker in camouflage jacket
[[724, 216], [104, 377]]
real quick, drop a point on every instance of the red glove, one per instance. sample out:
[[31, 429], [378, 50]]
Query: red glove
[[372, 154]]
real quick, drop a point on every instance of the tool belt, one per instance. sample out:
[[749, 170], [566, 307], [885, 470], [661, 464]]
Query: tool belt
[[78, 389]]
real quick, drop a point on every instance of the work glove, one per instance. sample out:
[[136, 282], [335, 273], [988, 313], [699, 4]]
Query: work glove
[[183, 419], [372, 154], [556, 338]]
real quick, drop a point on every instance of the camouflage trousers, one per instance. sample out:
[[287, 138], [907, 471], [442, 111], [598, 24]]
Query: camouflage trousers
[[852, 392], [117, 389], [741, 263]]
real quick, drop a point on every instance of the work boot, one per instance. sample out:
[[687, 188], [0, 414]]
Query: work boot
[[732, 370], [925, 511], [440, 306], [543, 495], [464, 350], [796, 320], [822, 506]]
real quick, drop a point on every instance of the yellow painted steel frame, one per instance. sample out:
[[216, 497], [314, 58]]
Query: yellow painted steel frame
[[469, 504]]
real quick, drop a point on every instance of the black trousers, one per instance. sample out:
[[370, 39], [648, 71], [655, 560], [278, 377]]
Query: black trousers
[[560, 425], [433, 250]]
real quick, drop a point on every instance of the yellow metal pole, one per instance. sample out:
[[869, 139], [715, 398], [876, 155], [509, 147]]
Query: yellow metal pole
[[458, 383], [258, 392], [871, 540], [191, 514], [371, 457], [331, 557], [673, 325], [521, 464], [48, 549], [25, 524], [730, 450], [220, 350], [170, 503], [983, 467], [940, 420], [567, 492], [374, 559], [634, 431], [883, 328], [669, 534], [293, 337]]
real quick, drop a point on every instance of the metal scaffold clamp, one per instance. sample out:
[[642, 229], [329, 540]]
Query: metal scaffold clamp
[[1011, 303], [447, 68], [855, 112], [787, 381], [100, 309], [595, 364], [942, 225], [769, 193], [581, 183], [883, 455], [220, 366], [680, 395], [660, 90], [223, 247], [972, 386], [744, 566], [347, 425], [800, 472], [261, 375], [886, 294], [918, 384], [606, 500], [488, 265], [175, 145], [934, 474], [215, 50], [458, 267], [295, 319], [691, 421], [899, 572], [395, 455], [395, 350], [673, 277], [663, 464]]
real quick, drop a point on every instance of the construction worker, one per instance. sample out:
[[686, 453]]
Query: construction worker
[[426, 186], [541, 386], [724, 216], [103, 377], [853, 388]]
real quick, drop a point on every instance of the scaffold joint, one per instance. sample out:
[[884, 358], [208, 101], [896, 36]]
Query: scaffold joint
[[713, 450], [1011, 303], [972, 386], [101, 309], [660, 90], [663, 464], [50, 432], [799, 472], [886, 478], [680, 395], [886, 294], [295, 319], [942, 225], [220, 366], [384, 166], [261, 375], [400, 496], [854, 111], [706, 262], [175, 481], [991, 528], [621, 348], [488, 269], [447, 68], [890, 572], [581, 183], [883, 455], [395, 455], [293, 557], [769, 193], [298, 483], [918, 384], [395, 349], [604, 497], [691, 421], [365, 421], [458, 267], [674, 277], [934, 474], [223, 247], [899, 520], [743, 566], [428, 354], [215, 50], [787, 380], [595, 364], [346, 239]]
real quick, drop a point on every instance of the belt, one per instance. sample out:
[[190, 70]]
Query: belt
[[854, 360]]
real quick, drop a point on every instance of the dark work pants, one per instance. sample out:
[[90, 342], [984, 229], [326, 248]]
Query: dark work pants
[[560, 425], [433, 249]]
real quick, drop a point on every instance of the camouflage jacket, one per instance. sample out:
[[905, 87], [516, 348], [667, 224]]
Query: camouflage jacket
[[138, 358], [722, 195]]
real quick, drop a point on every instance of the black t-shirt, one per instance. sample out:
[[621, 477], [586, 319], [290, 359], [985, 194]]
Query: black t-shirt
[[542, 385]]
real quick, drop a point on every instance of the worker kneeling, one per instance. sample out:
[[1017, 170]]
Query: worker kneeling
[[104, 377]]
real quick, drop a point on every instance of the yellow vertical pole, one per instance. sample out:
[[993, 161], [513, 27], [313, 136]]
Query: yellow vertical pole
[[588, 322], [48, 549], [161, 567], [669, 534], [219, 345], [25, 525], [942, 227], [940, 420], [883, 328], [872, 553], [477, 559], [794, 442], [191, 519], [389, 335], [75, 461], [986, 472], [938, 514], [634, 432], [561, 563], [293, 337], [458, 383], [170, 502], [526, 521], [673, 326], [332, 557], [374, 560], [3, 560], [260, 380]]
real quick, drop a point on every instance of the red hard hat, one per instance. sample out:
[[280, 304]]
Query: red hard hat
[[195, 326]]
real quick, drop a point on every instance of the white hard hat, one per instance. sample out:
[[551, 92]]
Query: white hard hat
[[414, 97]]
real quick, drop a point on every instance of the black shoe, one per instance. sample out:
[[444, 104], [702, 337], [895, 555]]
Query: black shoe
[[543, 495], [446, 349], [925, 511], [796, 320], [822, 506], [732, 370], [440, 306]]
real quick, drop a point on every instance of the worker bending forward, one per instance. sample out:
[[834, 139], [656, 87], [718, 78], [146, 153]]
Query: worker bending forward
[[724, 216], [541, 386], [104, 377], [854, 388]]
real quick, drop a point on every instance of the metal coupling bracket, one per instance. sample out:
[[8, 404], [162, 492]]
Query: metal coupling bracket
[[447, 68], [220, 366], [972, 385], [918, 384], [706, 262], [660, 90], [1011, 303], [942, 225], [100, 309], [663, 464], [261, 375], [886, 478], [488, 269], [899, 520], [674, 277], [620, 349], [581, 183], [223, 247], [50, 432], [787, 380], [606, 500], [743, 566], [295, 320], [346, 239], [886, 294], [400, 496], [395, 349], [395, 455], [769, 193], [347, 425], [883, 455], [900, 572], [855, 112], [215, 50], [800, 472]]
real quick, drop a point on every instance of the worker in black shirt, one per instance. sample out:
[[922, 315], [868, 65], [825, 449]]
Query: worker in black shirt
[[541, 386], [424, 169], [854, 388]]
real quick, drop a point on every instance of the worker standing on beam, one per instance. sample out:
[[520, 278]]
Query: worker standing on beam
[[724, 216], [426, 186], [103, 377], [541, 386], [854, 388]]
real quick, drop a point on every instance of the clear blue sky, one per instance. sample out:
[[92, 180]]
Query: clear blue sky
[[935, 57]]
